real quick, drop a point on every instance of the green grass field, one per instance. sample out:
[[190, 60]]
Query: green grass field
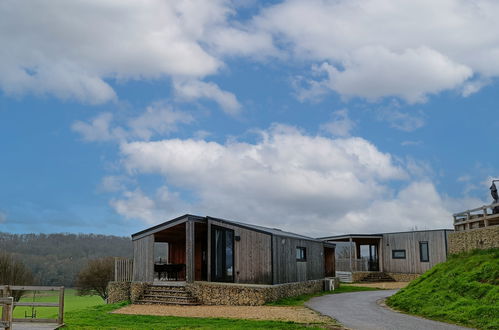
[[463, 290], [72, 302]]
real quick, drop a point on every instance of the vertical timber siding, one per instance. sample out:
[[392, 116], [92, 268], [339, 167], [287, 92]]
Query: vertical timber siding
[[287, 269], [252, 254], [410, 243], [143, 259]]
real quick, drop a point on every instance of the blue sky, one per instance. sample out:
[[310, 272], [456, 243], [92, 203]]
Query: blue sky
[[318, 117]]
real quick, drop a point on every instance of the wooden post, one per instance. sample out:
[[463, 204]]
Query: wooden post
[[60, 318], [189, 251], [7, 303], [351, 269]]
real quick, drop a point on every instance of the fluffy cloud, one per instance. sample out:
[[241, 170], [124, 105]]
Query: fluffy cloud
[[158, 119], [195, 89], [378, 48], [340, 125], [288, 179], [72, 49]]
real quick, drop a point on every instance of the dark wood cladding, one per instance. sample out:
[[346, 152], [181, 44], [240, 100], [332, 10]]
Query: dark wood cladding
[[287, 269], [143, 259], [252, 255]]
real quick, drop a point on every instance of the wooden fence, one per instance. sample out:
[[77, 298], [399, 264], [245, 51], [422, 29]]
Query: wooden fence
[[123, 270], [476, 218], [7, 292], [7, 304]]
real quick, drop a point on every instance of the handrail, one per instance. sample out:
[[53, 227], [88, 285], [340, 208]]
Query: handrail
[[484, 207]]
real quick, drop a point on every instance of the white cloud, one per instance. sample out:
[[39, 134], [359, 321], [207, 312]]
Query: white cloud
[[379, 48], [194, 89], [71, 49], [158, 119], [99, 129], [403, 121], [340, 125], [302, 183]]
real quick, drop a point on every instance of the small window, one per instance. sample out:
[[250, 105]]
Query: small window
[[398, 254], [301, 253], [424, 253]]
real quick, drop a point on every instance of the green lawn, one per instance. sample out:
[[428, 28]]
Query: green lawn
[[463, 290], [72, 302]]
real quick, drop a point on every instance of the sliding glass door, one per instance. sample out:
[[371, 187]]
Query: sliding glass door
[[222, 254]]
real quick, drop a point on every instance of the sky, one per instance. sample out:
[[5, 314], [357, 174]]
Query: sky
[[316, 117]]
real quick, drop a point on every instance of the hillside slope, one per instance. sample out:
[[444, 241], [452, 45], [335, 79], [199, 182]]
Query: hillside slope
[[55, 259], [463, 290]]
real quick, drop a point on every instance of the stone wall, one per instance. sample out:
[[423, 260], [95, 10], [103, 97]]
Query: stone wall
[[125, 291], [357, 276], [210, 293], [118, 292], [479, 238], [403, 277]]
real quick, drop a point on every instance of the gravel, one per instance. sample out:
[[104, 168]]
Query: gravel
[[275, 313]]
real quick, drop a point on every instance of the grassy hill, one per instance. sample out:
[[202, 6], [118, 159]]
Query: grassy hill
[[463, 290]]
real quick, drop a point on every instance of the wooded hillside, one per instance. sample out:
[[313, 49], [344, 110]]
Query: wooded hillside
[[56, 259]]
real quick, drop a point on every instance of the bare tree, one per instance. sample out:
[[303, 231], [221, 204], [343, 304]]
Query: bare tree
[[14, 272], [95, 276]]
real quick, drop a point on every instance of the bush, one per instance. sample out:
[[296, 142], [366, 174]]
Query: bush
[[14, 272], [95, 276]]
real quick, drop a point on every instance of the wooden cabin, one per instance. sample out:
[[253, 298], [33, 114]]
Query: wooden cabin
[[412, 252], [218, 250]]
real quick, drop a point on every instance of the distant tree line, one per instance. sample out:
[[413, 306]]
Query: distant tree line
[[56, 259]]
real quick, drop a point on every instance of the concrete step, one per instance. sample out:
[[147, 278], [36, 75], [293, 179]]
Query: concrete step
[[162, 302]]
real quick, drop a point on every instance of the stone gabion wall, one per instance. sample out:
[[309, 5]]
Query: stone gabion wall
[[118, 292], [403, 277], [136, 290], [479, 238], [209, 293], [357, 276]]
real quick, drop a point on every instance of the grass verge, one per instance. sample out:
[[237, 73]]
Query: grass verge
[[99, 317], [300, 300], [464, 290]]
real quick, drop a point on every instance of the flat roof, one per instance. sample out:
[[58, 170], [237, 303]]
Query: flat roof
[[379, 235]]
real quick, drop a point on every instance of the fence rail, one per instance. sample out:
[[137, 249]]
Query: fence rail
[[7, 304], [7, 292], [123, 270], [477, 218]]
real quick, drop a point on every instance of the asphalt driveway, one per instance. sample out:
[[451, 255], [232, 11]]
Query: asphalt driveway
[[359, 310]]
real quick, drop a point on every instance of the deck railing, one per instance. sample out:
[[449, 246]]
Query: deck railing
[[476, 218], [123, 270], [358, 265]]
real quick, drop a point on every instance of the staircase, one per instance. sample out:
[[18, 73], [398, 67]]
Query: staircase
[[377, 277], [167, 295]]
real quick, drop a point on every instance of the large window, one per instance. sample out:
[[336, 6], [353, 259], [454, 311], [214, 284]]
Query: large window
[[424, 253], [222, 254], [398, 254], [301, 253]]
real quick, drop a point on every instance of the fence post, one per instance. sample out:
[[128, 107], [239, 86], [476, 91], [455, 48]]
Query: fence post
[[60, 317], [8, 305]]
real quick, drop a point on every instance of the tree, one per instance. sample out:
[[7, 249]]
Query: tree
[[14, 272], [95, 276]]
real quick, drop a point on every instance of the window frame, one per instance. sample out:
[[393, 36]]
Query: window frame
[[399, 250], [302, 254], [421, 243]]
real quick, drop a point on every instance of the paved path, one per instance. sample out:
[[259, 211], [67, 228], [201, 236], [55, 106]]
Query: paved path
[[359, 310]]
